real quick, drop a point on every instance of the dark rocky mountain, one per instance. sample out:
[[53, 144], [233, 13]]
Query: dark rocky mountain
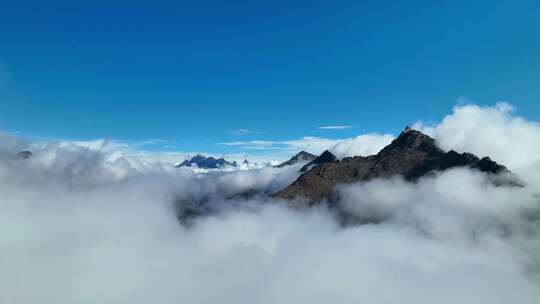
[[204, 162], [302, 156], [411, 155], [24, 154], [325, 157]]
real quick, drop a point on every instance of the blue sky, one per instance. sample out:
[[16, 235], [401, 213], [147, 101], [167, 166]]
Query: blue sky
[[194, 74]]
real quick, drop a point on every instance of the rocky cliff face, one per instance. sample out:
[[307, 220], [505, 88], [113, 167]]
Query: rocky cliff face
[[411, 155]]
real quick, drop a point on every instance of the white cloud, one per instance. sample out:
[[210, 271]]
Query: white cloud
[[361, 145], [334, 127], [308, 143], [312, 144], [161, 152], [364, 145], [490, 131], [254, 143], [242, 132]]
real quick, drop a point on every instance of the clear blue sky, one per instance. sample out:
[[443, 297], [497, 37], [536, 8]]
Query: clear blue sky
[[193, 71]]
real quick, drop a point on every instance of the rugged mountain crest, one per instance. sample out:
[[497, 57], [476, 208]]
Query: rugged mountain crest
[[325, 157], [411, 155], [302, 156], [204, 162]]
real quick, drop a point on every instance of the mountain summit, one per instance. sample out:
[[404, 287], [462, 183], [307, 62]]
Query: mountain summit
[[411, 155], [411, 139], [325, 157]]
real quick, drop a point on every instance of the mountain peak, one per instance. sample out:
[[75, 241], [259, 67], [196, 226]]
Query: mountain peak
[[325, 157], [411, 139], [303, 153], [299, 157]]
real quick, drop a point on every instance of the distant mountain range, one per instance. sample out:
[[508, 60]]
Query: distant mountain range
[[411, 155], [302, 156], [203, 162]]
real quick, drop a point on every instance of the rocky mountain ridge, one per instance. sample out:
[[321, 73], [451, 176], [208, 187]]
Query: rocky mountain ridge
[[411, 155]]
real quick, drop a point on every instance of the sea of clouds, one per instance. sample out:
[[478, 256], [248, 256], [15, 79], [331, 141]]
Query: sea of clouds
[[78, 225]]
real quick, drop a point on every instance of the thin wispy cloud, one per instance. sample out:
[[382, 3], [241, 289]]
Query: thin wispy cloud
[[255, 143], [364, 144], [304, 143], [242, 132], [337, 127], [108, 144]]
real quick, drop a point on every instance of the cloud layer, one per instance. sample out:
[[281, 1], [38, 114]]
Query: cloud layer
[[83, 225]]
